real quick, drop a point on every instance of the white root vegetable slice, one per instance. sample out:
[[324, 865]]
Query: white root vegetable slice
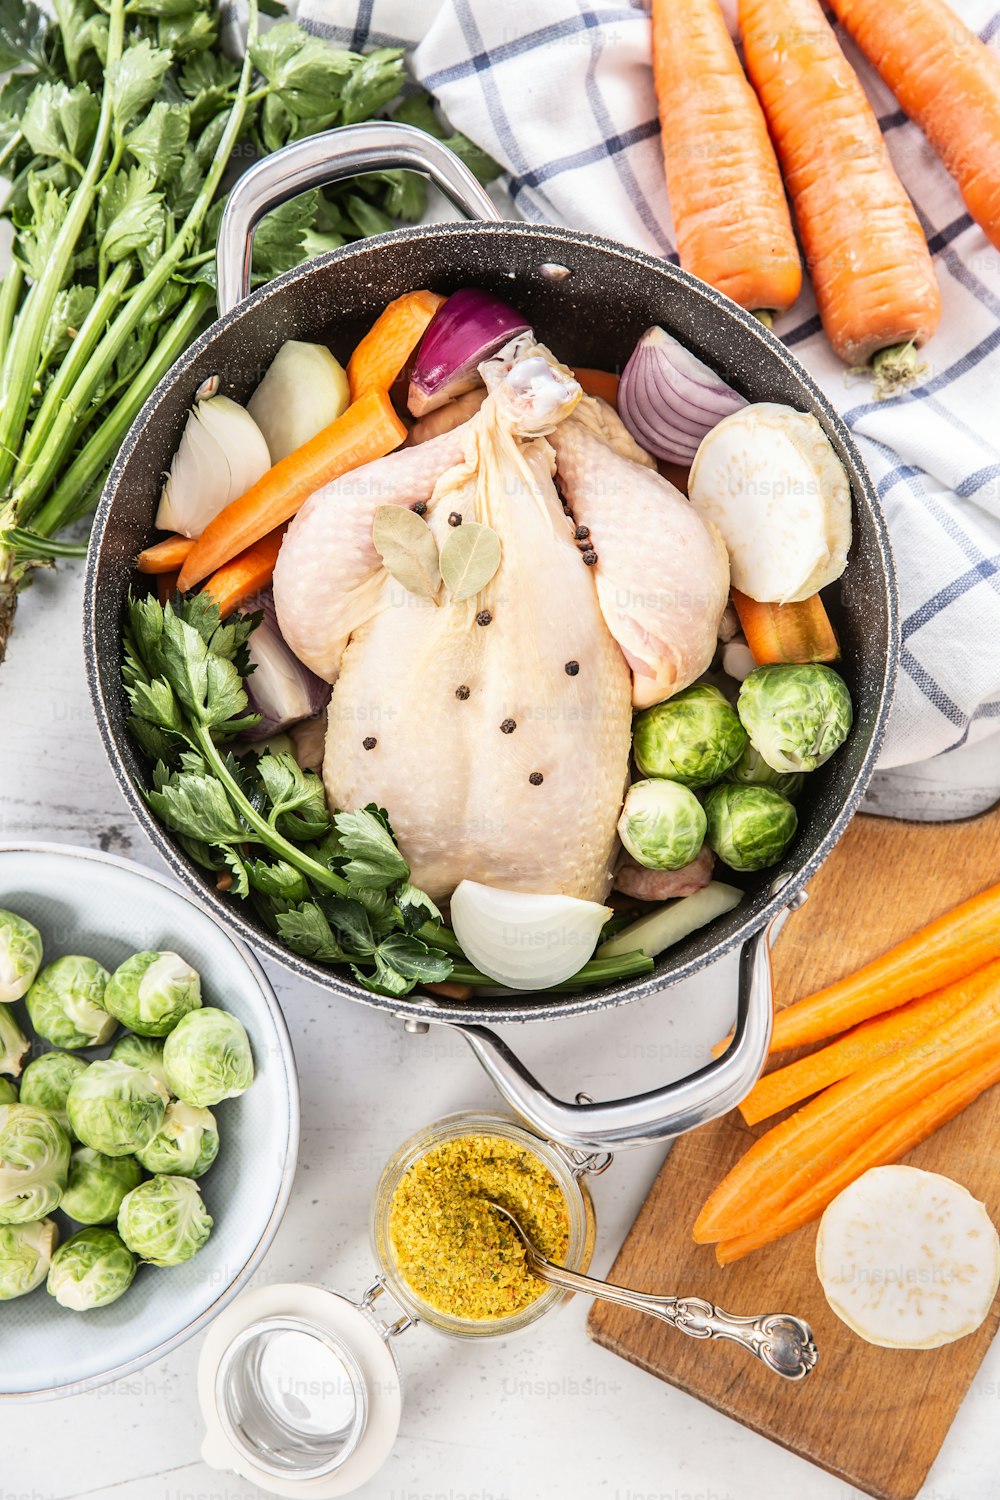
[[525, 941], [662, 929], [908, 1259], [304, 390], [768, 478]]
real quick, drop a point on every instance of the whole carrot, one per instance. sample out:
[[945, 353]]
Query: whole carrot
[[866, 253], [729, 207], [947, 81]]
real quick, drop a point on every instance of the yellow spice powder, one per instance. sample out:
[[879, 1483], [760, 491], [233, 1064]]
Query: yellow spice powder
[[456, 1253]]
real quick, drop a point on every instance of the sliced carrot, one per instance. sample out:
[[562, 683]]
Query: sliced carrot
[[947, 80], [790, 1158], [787, 632], [243, 576], [601, 383], [867, 1043], [729, 207], [881, 1149], [167, 556], [368, 429], [949, 948], [166, 586], [390, 341], [866, 252]]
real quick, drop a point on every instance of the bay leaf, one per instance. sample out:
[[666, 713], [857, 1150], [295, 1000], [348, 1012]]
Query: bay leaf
[[407, 547], [469, 558]]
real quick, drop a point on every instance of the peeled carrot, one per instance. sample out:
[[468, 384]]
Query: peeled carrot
[[243, 576], [787, 632], [729, 207], [368, 429], [166, 556], [390, 341], [867, 1043], [885, 1146], [949, 948], [599, 383], [789, 1159], [865, 250], [946, 80]]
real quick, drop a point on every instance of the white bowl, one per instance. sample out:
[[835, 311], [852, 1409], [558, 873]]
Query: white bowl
[[85, 902]]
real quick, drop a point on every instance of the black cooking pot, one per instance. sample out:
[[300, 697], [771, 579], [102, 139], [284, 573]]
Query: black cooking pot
[[589, 299]]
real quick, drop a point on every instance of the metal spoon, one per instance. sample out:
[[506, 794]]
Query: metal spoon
[[783, 1343]]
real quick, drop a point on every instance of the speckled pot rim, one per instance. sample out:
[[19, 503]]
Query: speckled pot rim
[[758, 911]]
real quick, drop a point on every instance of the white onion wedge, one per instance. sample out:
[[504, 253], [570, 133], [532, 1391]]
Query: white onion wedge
[[522, 940], [908, 1259], [663, 928], [304, 390], [222, 453]]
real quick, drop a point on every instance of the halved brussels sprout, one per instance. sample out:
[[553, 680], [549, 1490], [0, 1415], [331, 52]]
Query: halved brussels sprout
[[8, 1091], [46, 1082], [25, 1256], [749, 827], [14, 1045], [692, 738], [20, 955], [150, 992], [207, 1058], [97, 1184], [90, 1269], [187, 1142], [164, 1221], [66, 1003], [116, 1108], [34, 1163], [796, 715], [753, 770], [662, 824], [144, 1052]]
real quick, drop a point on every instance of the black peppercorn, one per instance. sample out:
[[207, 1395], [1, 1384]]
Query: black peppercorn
[[582, 532], [369, 742], [484, 617], [419, 507], [508, 726], [454, 519], [462, 692], [536, 778], [571, 668], [590, 557]]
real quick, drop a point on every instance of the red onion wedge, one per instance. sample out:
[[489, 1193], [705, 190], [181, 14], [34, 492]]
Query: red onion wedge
[[469, 327], [668, 399], [281, 689]]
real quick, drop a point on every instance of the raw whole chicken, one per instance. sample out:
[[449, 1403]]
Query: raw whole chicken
[[496, 730]]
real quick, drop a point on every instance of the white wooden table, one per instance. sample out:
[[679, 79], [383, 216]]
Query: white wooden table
[[547, 1415]]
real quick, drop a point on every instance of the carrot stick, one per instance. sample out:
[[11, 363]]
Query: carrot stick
[[867, 1043], [871, 270], [790, 1158], [729, 207], [389, 342], [949, 948], [245, 575], [946, 80], [885, 1146], [787, 632], [166, 556], [368, 429], [601, 383]]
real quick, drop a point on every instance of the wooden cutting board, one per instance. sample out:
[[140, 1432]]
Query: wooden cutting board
[[874, 1417]]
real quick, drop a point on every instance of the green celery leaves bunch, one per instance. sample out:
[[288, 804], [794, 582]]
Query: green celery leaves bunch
[[122, 125]]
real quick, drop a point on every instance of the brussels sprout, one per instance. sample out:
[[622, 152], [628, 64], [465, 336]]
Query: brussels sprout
[[752, 770], [20, 955], [692, 738], [144, 1052], [187, 1143], [116, 1108], [90, 1269], [46, 1082], [207, 1057], [34, 1163], [66, 1003], [749, 827], [97, 1185], [662, 824], [13, 1043], [25, 1256], [164, 1221], [150, 992], [8, 1091], [796, 716]]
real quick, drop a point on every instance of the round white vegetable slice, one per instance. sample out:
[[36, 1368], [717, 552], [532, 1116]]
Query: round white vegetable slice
[[524, 941], [908, 1259], [768, 478]]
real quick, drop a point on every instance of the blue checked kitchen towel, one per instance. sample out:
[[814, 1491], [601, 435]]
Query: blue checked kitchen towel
[[560, 93]]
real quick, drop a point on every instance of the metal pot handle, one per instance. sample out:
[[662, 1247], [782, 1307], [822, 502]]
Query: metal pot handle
[[321, 159], [661, 1114]]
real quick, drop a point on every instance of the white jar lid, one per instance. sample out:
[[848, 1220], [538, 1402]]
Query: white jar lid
[[300, 1392]]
